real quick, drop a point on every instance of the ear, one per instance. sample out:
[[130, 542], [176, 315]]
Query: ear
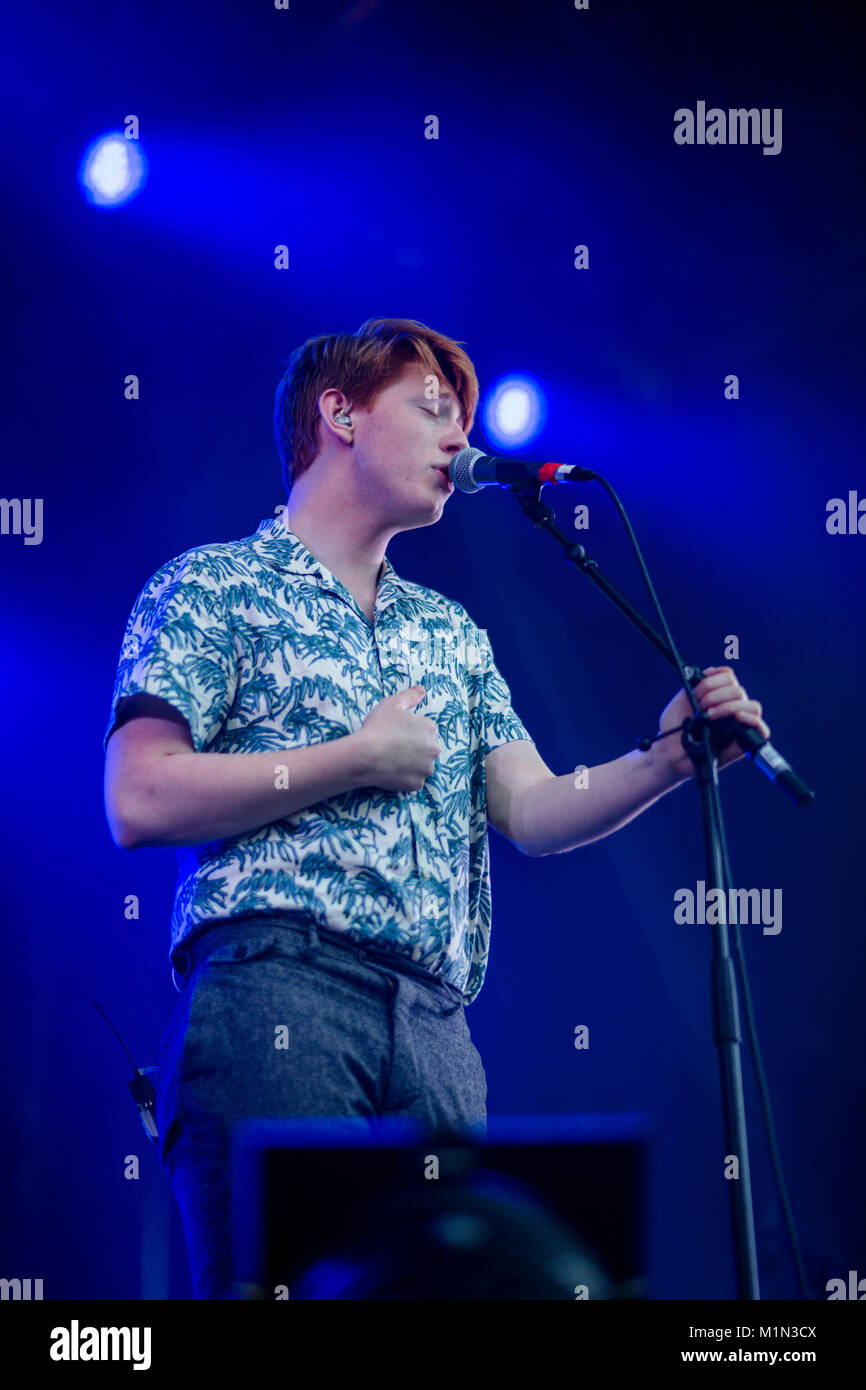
[[334, 410]]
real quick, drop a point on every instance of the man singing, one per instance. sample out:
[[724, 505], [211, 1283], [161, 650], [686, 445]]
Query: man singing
[[325, 743]]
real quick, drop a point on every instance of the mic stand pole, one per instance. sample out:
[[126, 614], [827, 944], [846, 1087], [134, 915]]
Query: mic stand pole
[[698, 743]]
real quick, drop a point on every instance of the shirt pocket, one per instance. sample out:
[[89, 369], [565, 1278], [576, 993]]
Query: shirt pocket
[[438, 665]]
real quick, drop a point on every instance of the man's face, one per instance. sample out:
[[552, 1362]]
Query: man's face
[[403, 446]]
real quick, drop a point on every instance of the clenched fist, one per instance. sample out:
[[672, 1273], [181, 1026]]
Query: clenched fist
[[401, 747]]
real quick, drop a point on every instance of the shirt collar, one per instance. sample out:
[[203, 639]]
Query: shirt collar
[[277, 543]]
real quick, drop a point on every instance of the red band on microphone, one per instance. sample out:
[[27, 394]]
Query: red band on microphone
[[547, 472]]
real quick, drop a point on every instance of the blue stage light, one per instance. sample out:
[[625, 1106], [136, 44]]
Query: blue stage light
[[514, 412], [112, 170]]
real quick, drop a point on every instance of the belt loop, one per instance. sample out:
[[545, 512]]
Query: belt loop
[[457, 1003], [313, 941]]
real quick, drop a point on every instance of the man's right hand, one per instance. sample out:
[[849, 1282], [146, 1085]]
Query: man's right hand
[[401, 747]]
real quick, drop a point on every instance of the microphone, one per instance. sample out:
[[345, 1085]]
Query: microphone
[[763, 755], [472, 469]]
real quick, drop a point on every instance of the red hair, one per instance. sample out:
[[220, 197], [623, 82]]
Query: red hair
[[360, 365]]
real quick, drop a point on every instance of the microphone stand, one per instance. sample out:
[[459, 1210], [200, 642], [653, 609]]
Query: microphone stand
[[697, 739]]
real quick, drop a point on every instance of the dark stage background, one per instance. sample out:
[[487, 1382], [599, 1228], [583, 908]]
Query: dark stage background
[[306, 127]]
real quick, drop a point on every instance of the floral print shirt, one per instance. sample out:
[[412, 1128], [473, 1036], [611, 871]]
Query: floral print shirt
[[262, 649]]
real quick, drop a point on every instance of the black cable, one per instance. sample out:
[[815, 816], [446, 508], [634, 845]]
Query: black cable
[[117, 1035]]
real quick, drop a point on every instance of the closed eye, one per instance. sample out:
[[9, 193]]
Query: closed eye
[[437, 412]]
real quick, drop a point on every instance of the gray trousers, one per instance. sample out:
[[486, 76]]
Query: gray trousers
[[369, 1034]]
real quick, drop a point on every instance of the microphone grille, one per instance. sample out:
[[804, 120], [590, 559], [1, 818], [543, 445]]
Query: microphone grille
[[460, 469]]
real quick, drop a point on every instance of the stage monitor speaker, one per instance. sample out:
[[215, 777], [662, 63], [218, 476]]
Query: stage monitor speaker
[[536, 1207]]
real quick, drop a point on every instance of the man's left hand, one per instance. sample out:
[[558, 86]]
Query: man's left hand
[[718, 694]]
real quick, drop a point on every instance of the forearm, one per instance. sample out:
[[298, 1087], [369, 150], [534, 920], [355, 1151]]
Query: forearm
[[555, 815], [189, 798]]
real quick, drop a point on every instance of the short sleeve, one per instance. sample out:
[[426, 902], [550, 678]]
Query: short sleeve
[[497, 721], [179, 645]]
